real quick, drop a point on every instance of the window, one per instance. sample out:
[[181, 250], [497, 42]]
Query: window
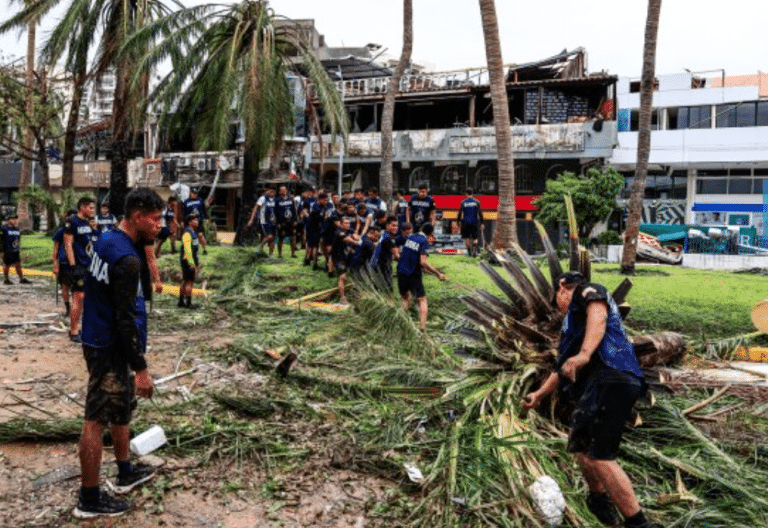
[[634, 120], [712, 186], [523, 179], [762, 113], [634, 86], [682, 117], [740, 185], [700, 116], [726, 116], [745, 114]]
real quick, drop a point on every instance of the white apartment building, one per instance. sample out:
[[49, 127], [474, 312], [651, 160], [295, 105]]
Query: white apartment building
[[709, 147]]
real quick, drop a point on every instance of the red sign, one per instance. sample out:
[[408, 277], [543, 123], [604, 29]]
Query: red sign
[[488, 203]]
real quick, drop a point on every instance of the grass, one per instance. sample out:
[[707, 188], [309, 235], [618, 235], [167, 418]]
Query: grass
[[373, 385]]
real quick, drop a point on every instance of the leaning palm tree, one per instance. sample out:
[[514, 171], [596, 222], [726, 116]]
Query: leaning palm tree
[[505, 234], [643, 138], [388, 114], [230, 62]]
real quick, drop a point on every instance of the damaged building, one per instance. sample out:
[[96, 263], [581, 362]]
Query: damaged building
[[562, 118]]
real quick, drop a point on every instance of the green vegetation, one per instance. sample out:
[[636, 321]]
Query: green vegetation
[[375, 394]]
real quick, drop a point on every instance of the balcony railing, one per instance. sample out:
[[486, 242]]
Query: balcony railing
[[416, 83]]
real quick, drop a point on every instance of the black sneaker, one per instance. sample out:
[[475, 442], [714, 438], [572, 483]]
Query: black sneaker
[[602, 508], [181, 304], [140, 474], [7, 281], [107, 505], [75, 338], [25, 280]]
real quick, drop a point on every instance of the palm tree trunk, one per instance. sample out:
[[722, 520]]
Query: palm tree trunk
[[643, 139], [25, 179], [248, 190], [388, 115], [70, 135], [118, 178], [506, 225]]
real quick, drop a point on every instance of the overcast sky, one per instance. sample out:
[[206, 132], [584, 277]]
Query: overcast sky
[[693, 34]]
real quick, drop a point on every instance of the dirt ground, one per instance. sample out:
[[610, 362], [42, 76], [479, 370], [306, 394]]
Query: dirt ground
[[42, 375]]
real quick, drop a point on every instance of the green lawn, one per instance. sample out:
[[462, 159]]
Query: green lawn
[[702, 304]]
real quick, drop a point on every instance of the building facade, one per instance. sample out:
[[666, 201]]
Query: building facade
[[709, 148]]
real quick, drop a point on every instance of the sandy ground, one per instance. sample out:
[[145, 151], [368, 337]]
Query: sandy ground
[[42, 374]]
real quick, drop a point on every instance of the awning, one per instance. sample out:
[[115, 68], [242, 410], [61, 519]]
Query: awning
[[728, 207], [677, 235]]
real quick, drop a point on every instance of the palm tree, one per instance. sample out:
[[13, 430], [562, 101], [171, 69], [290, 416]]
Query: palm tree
[[242, 53], [388, 115], [643, 138], [506, 224], [103, 25]]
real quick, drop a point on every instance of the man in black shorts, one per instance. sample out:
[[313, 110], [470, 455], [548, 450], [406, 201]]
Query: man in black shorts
[[77, 244], [114, 343], [189, 260], [410, 267], [598, 370], [170, 227], [10, 245]]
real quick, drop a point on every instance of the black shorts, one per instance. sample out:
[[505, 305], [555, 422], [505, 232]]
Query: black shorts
[[77, 278], [268, 229], [187, 272], [9, 259], [284, 230], [598, 421], [111, 397], [327, 238], [412, 284], [164, 234], [469, 231], [340, 265], [313, 239], [65, 274]]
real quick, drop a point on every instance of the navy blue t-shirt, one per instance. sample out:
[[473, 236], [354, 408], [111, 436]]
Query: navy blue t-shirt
[[382, 254], [106, 222], [362, 253], [195, 206], [340, 250], [306, 205], [470, 211], [284, 209], [270, 211], [81, 244], [316, 218], [58, 236], [402, 211], [11, 239], [410, 256], [421, 208], [376, 204]]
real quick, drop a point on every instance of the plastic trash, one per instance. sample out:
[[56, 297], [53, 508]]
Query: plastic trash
[[148, 441], [548, 499], [414, 473]]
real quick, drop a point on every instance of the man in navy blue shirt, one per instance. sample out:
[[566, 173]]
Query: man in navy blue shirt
[[60, 266], [285, 213], [400, 208], [374, 202], [114, 344], [386, 251], [422, 208], [471, 220], [77, 244], [105, 219], [413, 260], [341, 250], [196, 206], [307, 199], [11, 248], [597, 369], [315, 227], [170, 227]]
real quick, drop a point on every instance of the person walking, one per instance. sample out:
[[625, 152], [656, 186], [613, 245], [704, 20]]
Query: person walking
[[410, 267], [77, 244], [188, 256], [114, 343], [470, 218]]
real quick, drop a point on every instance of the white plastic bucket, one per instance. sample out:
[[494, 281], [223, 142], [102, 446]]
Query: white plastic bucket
[[148, 441]]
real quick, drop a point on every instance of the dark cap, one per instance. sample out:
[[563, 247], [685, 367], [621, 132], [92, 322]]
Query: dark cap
[[193, 190], [190, 217], [571, 277]]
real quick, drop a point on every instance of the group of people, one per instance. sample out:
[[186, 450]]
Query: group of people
[[82, 228], [356, 234]]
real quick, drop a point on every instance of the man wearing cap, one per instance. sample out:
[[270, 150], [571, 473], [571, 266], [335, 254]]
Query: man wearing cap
[[194, 205], [597, 369]]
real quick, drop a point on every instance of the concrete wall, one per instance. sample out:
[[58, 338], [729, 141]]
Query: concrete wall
[[724, 262]]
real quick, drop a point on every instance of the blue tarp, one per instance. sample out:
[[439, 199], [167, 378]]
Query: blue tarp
[[677, 235]]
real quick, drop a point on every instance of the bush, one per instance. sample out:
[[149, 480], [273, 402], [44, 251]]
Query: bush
[[610, 237]]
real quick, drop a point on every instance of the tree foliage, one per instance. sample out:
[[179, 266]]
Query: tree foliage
[[593, 195]]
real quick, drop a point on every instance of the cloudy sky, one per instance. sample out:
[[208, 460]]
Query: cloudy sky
[[693, 34]]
